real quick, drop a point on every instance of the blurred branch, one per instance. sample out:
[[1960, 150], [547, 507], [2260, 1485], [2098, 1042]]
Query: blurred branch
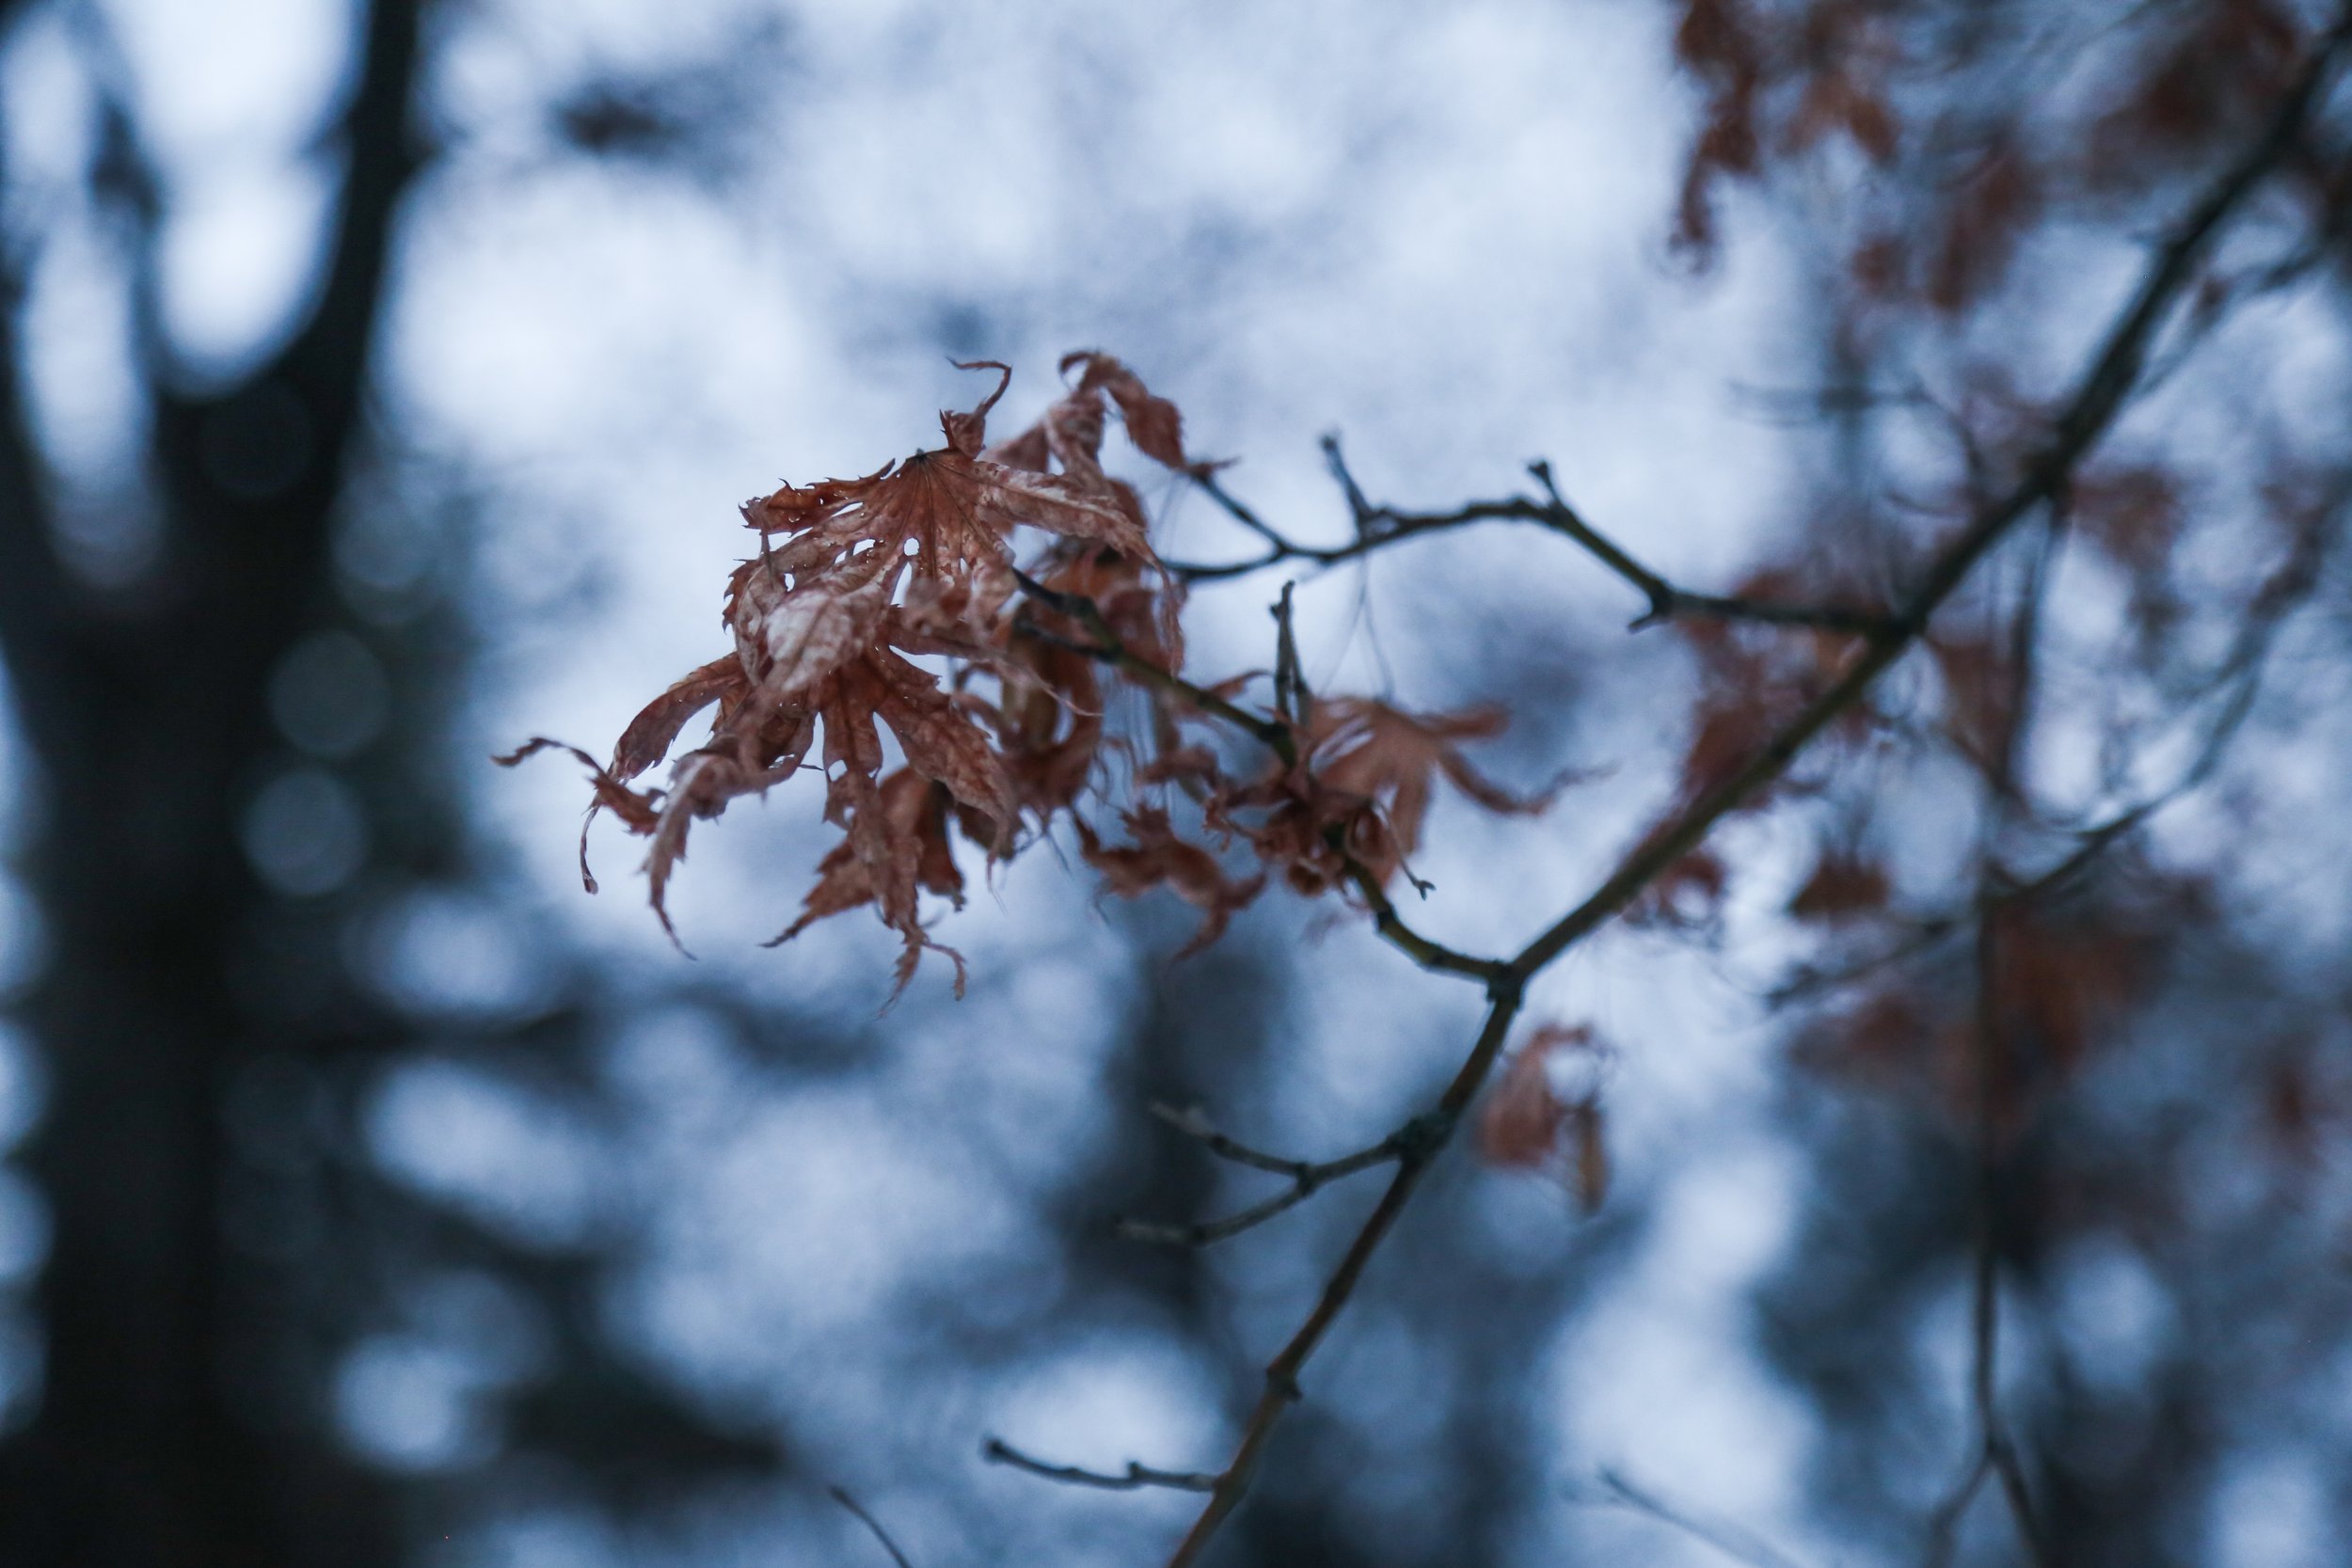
[[1378, 527], [2106, 383], [1729, 1539], [841, 1496], [1135, 1478], [1994, 1455], [1306, 1178]]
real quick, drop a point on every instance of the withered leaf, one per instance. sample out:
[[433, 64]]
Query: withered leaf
[[1158, 858]]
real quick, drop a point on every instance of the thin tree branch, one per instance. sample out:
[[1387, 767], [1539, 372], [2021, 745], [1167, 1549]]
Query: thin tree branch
[[2087, 414], [873, 1526], [1281, 1388], [1422, 950], [1943, 1524], [1110, 649], [1729, 1539], [1306, 1178], [2108, 380], [1135, 1478], [1378, 527]]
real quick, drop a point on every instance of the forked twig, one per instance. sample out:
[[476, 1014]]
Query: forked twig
[[1307, 1177], [1378, 527], [1135, 1478]]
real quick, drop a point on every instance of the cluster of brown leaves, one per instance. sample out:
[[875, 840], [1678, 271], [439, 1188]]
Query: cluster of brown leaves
[[2162, 91], [889, 609], [1785, 83], [1752, 680]]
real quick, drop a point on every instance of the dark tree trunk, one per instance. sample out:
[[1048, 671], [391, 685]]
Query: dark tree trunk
[[155, 1445]]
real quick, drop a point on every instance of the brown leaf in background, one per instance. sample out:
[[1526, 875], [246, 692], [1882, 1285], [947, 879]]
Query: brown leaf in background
[[1527, 1124], [1978, 693], [2132, 512], [1999, 202], [1843, 887]]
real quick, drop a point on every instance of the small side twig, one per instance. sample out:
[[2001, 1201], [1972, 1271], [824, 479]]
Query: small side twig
[[873, 1526], [1307, 1177], [1110, 649], [1135, 1478], [1734, 1542], [1377, 527], [1292, 700]]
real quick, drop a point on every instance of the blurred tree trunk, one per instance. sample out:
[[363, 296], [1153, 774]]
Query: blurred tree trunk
[[153, 1443]]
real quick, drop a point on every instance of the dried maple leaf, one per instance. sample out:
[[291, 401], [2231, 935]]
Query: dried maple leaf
[[852, 576], [1716, 41], [2213, 68], [898, 843], [2063, 986], [1363, 786], [1158, 858]]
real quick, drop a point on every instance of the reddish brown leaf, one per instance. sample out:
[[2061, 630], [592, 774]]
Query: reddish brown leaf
[[1998, 202], [2224, 62], [1843, 887], [651, 735], [1157, 857], [1687, 894], [2064, 987], [912, 811], [1528, 1124], [1980, 691]]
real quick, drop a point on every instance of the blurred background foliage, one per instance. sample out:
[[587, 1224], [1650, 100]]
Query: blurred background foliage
[[382, 380]]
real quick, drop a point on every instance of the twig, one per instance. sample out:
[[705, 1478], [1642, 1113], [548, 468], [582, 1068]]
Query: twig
[[1306, 1178], [841, 1496], [1292, 699], [2108, 380], [1110, 649], [1943, 1524], [1422, 950], [1377, 527], [1729, 1539], [1135, 1478], [1276, 735]]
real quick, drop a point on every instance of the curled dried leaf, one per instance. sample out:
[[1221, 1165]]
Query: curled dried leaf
[[1158, 858], [1362, 787]]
